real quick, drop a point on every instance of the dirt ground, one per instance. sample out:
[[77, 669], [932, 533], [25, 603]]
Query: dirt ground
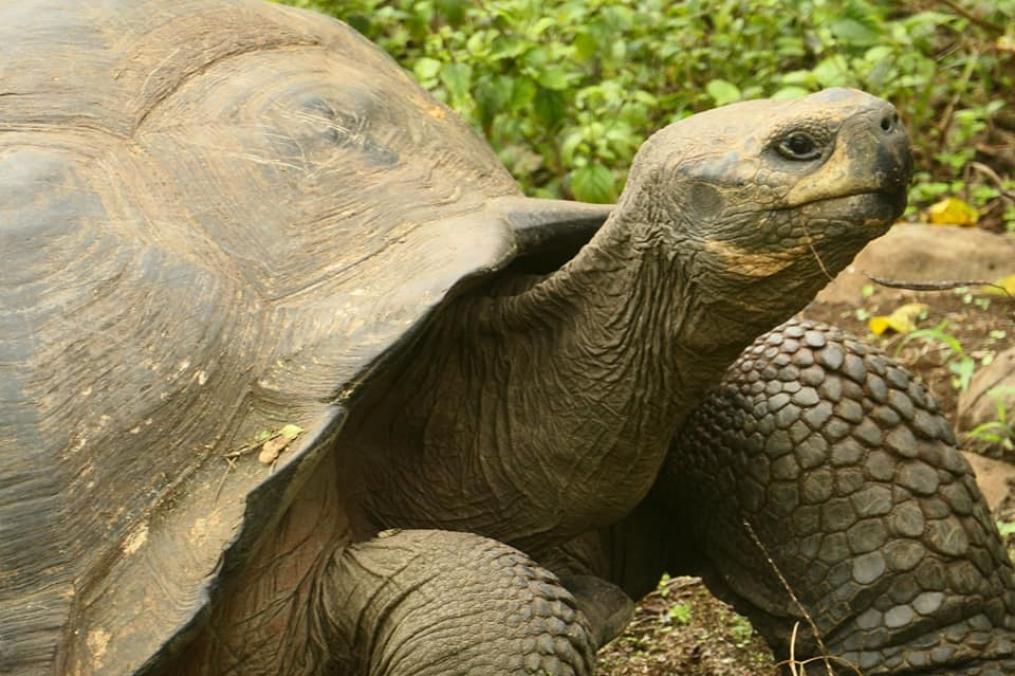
[[681, 629]]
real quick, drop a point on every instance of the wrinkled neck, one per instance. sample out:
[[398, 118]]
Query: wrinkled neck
[[614, 316], [607, 357], [540, 409], [644, 307]]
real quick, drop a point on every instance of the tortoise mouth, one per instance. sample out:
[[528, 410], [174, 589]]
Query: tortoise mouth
[[878, 208], [896, 197]]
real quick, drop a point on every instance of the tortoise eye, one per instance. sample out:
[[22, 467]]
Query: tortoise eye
[[799, 146]]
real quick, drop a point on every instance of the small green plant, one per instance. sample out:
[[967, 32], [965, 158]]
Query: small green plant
[[663, 587], [1001, 430], [968, 297], [959, 363], [678, 613], [1006, 528], [636, 643], [741, 630]]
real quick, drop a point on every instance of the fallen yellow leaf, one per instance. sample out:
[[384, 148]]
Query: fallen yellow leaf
[[902, 320], [952, 211], [1006, 284], [878, 324]]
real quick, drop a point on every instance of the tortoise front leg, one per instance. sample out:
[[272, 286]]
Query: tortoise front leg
[[821, 468], [440, 603]]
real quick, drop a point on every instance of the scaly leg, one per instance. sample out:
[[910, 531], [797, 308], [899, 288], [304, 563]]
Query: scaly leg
[[821, 459], [440, 603]]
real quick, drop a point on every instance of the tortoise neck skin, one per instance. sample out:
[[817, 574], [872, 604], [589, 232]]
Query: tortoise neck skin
[[535, 412]]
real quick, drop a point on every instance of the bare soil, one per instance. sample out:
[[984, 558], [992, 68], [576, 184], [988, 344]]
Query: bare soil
[[681, 629]]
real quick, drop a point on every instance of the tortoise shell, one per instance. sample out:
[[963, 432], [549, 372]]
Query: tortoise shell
[[217, 218]]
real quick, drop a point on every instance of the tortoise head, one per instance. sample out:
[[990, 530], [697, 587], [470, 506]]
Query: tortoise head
[[782, 190]]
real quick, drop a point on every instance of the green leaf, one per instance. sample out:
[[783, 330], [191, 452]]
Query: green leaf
[[722, 92], [804, 78], [522, 93], [645, 97], [586, 47], [1006, 527], [359, 22], [549, 107], [507, 47], [453, 11], [790, 93], [540, 27], [553, 78], [426, 68], [536, 58], [567, 148], [457, 77], [832, 72], [593, 183], [963, 369], [853, 32], [290, 431], [879, 53], [493, 96]]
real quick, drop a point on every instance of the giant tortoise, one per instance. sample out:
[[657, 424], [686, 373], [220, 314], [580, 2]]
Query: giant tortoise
[[295, 381]]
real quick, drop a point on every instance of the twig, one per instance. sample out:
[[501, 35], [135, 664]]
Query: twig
[[243, 450], [792, 648], [677, 583], [932, 286], [231, 457], [979, 21], [810, 245], [792, 595], [995, 179], [252, 446], [792, 665]]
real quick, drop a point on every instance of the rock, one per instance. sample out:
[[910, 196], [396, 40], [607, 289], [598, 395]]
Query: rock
[[925, 253], [978, 404], [993, 478]]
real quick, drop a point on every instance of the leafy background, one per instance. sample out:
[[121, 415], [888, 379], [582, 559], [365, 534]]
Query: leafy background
[[566, 90]]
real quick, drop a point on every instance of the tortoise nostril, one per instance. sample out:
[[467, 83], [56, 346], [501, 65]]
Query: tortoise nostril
[[890, 120]]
